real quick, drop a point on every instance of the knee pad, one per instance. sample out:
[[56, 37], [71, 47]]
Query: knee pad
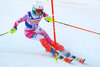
[[58, 46]]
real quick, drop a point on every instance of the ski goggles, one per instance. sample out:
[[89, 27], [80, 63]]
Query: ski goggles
[[39, 10]]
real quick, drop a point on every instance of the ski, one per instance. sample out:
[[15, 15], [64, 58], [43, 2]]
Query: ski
[[69, 60], [81, 60], [66, 56]]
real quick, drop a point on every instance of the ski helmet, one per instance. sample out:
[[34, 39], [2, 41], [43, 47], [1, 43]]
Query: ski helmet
[[37, 5]]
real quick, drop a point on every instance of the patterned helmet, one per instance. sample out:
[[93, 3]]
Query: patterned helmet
[[37, 5]]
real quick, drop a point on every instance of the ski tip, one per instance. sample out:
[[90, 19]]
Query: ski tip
[[82, 60], [68, 60]]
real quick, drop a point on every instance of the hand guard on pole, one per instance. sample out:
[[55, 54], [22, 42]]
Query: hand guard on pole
[[48, 19], [13, 30]]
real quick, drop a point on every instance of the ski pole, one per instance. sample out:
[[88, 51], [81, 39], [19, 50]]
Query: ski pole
[[78, 28], [3, 34]]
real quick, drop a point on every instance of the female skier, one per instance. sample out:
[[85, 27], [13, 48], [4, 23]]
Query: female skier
[[34, 31]]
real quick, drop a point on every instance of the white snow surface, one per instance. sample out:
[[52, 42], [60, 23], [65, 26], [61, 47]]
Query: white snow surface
[[18, 51]]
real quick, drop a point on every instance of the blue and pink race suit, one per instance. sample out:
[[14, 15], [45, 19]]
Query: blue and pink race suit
[[34, 31]]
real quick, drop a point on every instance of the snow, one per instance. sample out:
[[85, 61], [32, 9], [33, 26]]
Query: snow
[[18, 51]]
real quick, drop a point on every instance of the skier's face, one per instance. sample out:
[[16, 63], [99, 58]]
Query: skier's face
[[39, 12]]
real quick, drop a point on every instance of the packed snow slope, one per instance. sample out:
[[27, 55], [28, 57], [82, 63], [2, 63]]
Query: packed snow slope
[[18, 51]]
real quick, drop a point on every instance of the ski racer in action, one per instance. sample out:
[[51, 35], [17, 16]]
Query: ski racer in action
[[35, 32]]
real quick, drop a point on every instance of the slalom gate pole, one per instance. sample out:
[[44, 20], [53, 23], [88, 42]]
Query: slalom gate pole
[[78, 28], [3, 34], [54, 30]]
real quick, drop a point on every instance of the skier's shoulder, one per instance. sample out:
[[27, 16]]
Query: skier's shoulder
[[29, 13]]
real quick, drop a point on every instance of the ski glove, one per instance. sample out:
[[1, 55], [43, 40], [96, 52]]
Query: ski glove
[[13, 30], [48, 19]]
